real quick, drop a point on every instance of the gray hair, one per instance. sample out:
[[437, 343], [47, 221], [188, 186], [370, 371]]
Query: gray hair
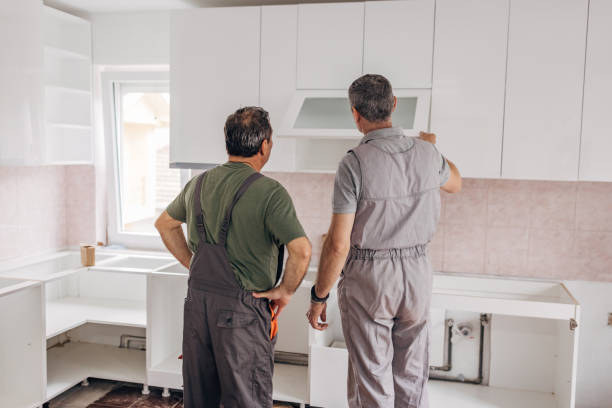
[[372, 96], [245, 131]]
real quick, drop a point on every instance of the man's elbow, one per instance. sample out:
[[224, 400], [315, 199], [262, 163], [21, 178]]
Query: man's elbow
[[305, 253], [164, 223], [454, 187], [339, 248], [159, 224]]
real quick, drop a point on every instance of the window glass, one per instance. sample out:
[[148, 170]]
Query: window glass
[[147, 184]]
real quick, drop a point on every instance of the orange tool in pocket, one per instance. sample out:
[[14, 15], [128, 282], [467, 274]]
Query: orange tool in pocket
[[273, 324]]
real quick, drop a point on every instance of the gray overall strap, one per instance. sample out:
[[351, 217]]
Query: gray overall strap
[[197, 208], [228, 215]]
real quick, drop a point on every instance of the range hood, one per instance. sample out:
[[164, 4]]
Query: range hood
[[327, 114]]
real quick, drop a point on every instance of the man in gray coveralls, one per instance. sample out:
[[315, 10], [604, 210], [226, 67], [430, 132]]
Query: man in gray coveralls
[[386, 209]]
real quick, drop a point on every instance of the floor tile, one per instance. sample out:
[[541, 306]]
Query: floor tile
[[155, 400], [121, 397]]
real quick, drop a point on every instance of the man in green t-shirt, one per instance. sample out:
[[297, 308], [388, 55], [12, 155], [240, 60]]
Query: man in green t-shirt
[[237, 224]]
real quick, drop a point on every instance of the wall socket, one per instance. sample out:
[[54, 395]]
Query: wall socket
[[609, 319]]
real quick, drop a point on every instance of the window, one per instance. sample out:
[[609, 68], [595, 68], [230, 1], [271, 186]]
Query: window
[[146, 183], [142, 183]]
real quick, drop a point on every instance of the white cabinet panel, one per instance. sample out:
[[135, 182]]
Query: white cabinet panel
[[544, 89], [21, 99], [468, 83], [214, 70], [46, 83], [330, 45], [596, 144], [278, 77], [67, 65], [398, 41]]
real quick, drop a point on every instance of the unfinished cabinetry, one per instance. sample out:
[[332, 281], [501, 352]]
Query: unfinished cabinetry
[[166, 291], [528, 357], [110, 295], [22, 353]]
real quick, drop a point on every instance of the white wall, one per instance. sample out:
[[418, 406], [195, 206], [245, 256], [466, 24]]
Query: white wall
[[131, 38]]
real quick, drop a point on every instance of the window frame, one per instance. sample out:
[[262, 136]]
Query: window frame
[[111, 96]]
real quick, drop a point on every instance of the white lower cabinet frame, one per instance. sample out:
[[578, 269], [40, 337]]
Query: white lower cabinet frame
[[533, 330], [110, 294], [22, 361], [534, 343], [166, 290]]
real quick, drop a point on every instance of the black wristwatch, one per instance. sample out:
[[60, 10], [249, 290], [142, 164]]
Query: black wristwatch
[[314, 298]]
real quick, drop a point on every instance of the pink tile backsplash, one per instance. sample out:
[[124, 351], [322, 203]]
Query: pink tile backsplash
[[464, 248], [560, 230], [80, 204], [40, 206], [506, 251]]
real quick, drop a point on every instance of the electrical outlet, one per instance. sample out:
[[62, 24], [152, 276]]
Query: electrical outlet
[[609, 319]]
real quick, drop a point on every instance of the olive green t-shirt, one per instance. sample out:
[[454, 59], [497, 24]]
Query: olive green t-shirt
[[263, 219]]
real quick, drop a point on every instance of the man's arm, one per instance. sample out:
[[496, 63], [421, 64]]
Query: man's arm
[[172, 234], [333, 257], [296, 267], [453, 185]]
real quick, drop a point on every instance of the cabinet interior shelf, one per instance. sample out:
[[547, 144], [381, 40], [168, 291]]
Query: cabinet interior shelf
[[71, 363], [289, 381], [448, 394], [69, 125], [63, 88], [70, 312], [65, 53]]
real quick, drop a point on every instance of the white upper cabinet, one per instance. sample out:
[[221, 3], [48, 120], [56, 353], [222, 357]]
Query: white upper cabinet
[[468, 83], [398, 41], [545, 75], [45, 105], [278, 73], [67, 88], [21, 99], [596, 145], [214, 70], [330, 45]]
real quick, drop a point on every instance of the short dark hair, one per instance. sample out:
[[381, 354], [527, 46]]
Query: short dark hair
[[245, 130], [372, 96]]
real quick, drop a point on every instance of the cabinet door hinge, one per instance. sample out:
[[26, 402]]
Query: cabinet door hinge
[[573, 324]]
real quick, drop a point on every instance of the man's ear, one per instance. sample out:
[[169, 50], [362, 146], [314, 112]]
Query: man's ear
[[263, 147], [394, 103], [356, 114]]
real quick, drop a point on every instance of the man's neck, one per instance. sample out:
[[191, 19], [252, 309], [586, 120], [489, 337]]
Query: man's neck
[[376, 126], [251, 161]]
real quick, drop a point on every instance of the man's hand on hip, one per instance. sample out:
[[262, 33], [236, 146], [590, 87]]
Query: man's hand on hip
[[428, 137], [317, 310], [279, 297]]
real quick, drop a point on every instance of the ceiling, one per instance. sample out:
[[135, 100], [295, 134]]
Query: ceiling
[[86, 7]]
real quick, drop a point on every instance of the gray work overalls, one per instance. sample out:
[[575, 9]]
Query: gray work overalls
[[385, 289], [228, 357]]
